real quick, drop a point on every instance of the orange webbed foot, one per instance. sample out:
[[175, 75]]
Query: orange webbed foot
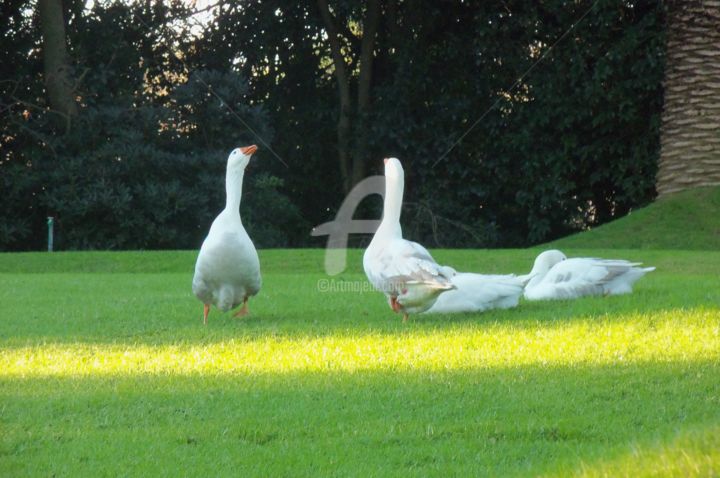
[[243, 310]]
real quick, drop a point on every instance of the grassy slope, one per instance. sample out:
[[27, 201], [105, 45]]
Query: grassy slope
[[105, 370], [686, 220]]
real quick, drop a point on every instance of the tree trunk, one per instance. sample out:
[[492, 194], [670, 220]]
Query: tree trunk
[[343, 81], [58, 78], [367, 49], [367, 53], [690, 131], [350, 134]]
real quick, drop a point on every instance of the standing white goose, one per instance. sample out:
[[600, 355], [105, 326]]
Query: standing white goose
[[403, 270], [227, 271], [554, 276], [479, 292]]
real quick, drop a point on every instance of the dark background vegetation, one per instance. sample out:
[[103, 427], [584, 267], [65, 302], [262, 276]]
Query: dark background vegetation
[[163, 98]]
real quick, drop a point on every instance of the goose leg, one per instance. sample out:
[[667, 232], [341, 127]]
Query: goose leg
[[394, 304], [243, 310], [206, 311], [397, 308]]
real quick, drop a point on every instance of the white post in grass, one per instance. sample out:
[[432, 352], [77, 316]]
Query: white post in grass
[[50, 233]]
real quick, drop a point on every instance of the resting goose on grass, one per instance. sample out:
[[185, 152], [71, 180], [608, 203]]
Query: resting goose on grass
[[403, 270], [227, 271], [479, 292], [554, 276]]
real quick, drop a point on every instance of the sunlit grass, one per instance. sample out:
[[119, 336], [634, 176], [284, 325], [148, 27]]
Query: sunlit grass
[[693, 453], [631, 338]]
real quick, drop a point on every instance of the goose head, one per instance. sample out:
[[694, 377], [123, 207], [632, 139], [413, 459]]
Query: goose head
[[393, 168], [240, 157], [546, 260], [237, 162]]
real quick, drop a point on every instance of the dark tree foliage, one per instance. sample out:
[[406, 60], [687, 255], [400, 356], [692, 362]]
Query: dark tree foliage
[[574, 145], [144, 162], [162, 99]]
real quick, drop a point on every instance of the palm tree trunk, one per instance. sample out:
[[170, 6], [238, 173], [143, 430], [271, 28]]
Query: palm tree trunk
[[690, 131]]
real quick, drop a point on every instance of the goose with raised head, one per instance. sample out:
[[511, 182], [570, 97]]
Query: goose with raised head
[[403, 270], [554, 276], [227, 271]]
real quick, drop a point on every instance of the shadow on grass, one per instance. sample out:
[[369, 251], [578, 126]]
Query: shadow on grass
[[470, 422]]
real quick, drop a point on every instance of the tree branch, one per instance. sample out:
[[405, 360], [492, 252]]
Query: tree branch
[[43, 141], [370, 26], [38, 107], [391, 13], [341, 28], [335, 47], [367, 57], [343, 81], [350, 36]]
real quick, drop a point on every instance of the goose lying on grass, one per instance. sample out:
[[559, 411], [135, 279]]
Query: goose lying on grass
[[227, 271], [479, 292], [403, 270], [554, 276]]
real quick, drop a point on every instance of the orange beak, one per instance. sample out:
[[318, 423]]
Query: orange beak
[[248, 150]]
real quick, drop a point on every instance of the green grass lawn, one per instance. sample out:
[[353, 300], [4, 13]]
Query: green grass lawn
[[106, 370], [686, 220]]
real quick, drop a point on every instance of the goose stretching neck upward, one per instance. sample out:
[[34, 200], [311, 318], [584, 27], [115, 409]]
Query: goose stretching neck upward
[[554, 276], [227, 271], [403, 270]]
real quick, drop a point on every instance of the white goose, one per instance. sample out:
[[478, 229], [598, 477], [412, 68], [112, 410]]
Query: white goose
[[554, 276], [227, 271], [479, 292], [403, 270]]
